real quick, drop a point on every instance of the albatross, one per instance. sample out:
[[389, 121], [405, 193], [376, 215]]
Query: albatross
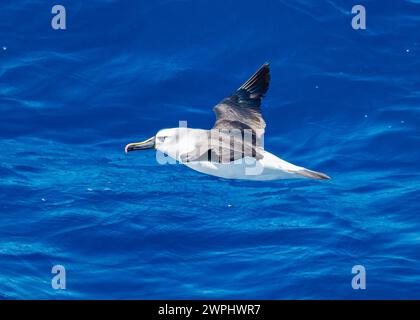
[[234, 147]]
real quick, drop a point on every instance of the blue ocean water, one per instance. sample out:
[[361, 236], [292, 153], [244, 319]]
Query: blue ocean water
[[342, 101]]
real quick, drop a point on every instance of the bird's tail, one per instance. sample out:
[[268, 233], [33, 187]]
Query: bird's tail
[[312, 174]]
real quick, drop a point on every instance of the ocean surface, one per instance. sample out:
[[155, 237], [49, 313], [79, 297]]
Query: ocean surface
[[341, 101]]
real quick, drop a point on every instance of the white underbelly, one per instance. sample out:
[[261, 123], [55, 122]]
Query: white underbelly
[[269, 167]]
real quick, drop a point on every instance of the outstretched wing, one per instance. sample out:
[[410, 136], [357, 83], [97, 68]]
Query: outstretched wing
[[239, 125], [242, 110]]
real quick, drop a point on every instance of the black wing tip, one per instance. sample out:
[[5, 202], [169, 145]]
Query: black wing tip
[[258, 83], [264, 68]]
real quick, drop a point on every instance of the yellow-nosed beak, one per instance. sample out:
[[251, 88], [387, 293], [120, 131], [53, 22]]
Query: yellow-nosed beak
[[147, 144]]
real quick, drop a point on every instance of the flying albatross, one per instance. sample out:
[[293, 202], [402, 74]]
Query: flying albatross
[[233, 148]]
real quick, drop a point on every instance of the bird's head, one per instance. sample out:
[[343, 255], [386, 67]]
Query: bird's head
[[163, 141]]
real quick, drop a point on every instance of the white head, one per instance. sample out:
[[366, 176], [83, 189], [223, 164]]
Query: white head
[[173, 142]]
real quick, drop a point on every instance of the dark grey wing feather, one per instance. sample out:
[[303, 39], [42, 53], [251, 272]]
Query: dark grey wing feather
[[224, 146], [242, 109], [237, 116], [241, 113]]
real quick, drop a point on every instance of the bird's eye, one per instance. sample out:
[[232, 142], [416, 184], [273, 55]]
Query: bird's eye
[[162, 139]]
